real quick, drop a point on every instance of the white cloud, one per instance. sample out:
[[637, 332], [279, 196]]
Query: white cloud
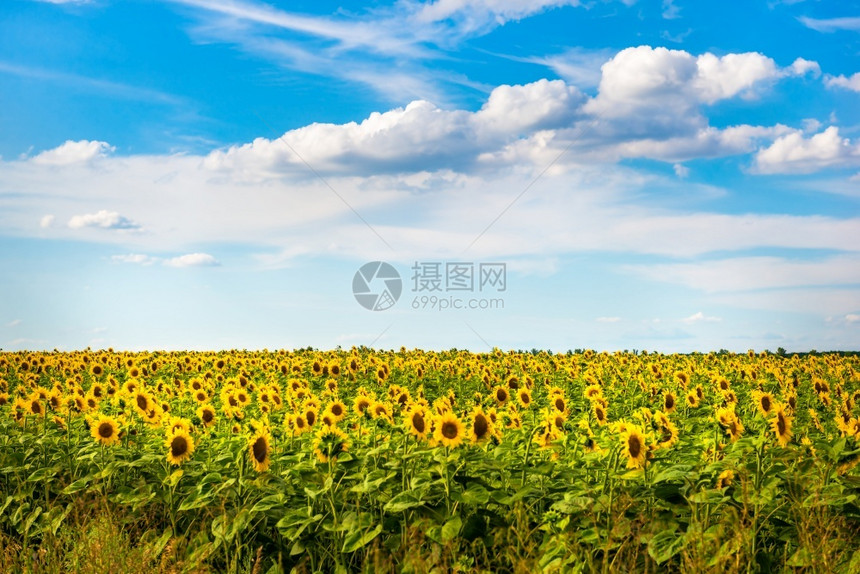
[[831, 24], [193, 260], [479, 14], [756, 273], [103, 219], [849, 83], [46, 221], [700, 317], [801, 67], [670, 10], [137, 258], [72, 152], [608, 319], [681, 170], [13, 323], [852, 318], [792, 153]]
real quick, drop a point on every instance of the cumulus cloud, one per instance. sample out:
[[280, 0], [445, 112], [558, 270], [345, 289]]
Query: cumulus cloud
[[849, 83], [793, 153], [46, 221], [74, 152], [193, 260], [103, 219]]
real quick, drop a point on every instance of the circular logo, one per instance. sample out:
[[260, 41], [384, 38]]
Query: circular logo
[[377, 286]]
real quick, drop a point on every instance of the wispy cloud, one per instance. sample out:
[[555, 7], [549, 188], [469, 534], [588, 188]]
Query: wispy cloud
[[850, 23], [97, 86], [187, 260], [700, 317]]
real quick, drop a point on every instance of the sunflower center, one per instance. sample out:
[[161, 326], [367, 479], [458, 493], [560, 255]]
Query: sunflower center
[[261, 449], [502, 395], [336, 410], [418, 422], [178, 446], [670, 402], [142, 402], [559, 404], [480, 426], [780, 424], [208, 416], [105, 430], [449, 430], [634, 446], [765, 403]]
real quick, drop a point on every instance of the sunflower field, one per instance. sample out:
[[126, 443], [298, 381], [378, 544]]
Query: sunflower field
[[416, 461]]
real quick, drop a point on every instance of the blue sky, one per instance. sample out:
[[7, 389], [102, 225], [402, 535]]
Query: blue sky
[[209, 174]]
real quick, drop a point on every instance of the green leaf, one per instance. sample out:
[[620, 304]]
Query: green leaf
[[476, 494], [403, 501], [174, 477], [664, 545], [451, 529], [78, 485], [358, 538]]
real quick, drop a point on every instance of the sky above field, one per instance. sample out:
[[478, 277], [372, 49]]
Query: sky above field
[[208, 174]]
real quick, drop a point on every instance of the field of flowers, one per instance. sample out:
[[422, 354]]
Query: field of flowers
[[414, 461]]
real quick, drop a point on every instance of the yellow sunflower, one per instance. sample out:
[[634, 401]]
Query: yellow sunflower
[[480, 426], [416, 421], [179, 445], [259, 448], [781, 425], [634, 448], [449, 430], [206, 414], [329, 443], [105, 430]]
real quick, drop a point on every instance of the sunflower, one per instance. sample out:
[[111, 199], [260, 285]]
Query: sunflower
[[559, 403], [593, 391], [600, 414], [142, 402], [34, 406], [692, 399], [524, 397], [296, 424], [362, 405], [501, 394], [416, 421], [634, 448], [763, 402], [668, 434], [734, 427], [449, 430], [669, 402], [480, 427], [781, 425], [105, 430], [725, 478], [338, 410], [380, 410], [206, 414], [180, 446], [329, 443], [259, 448], [310, 415]]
